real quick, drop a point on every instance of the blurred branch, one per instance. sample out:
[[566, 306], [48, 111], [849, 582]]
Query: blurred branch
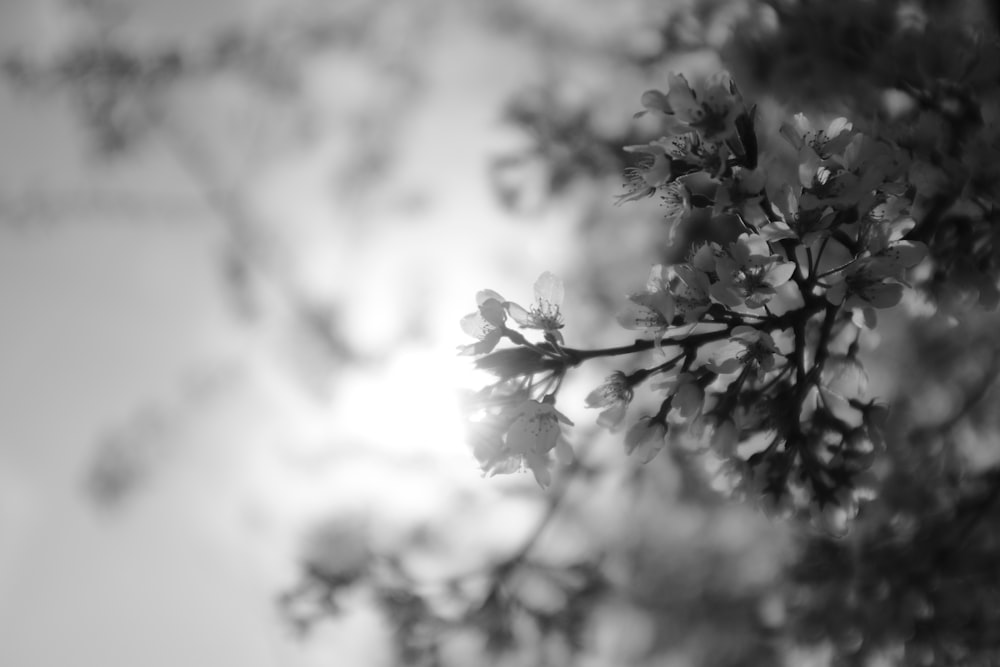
[[239, 224]]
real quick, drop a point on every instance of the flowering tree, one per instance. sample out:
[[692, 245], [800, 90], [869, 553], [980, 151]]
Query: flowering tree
[[758, 332], [758, 370]]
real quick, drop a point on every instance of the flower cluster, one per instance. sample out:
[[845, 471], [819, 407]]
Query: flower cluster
[[755, 331], [513, 423], [519, 435]]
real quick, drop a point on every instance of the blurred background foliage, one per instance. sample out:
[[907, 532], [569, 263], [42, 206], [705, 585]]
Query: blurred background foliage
[[330, 143]]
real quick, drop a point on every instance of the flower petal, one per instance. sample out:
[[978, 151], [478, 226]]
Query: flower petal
[[532, 433], [474, 325], [906, 253], [780, 273], [520, 315], [549, 289], [654, 100], [613, 416], [482, 296]]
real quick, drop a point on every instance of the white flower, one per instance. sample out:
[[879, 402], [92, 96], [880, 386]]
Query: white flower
[[747, 347], [535, 428], [519, 436], [677, 200], [803, 135], [651, 311], [534, 432], [747, 276], [690, 288], [713, 115], [652, 171], [545, 311]]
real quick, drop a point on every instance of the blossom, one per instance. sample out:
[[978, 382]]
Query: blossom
[[823, 143], [674, 295], [845, 374], [677, 200], [648, 312], [880, 159], [518, 437], [652, 171], [689, 153], [713, 115], [832, 162], [614, 396], [743, 194], [653, 100], [889, 209], [832, 186], [747, 276], [646, 438], [486, 438], [690, 288], [897, 256], [651, 311], [535, 428], [486, 323], [883, 241], [747, 348], [866, 283], [799, 222], [545, 311], [850, 177], [687, 394]]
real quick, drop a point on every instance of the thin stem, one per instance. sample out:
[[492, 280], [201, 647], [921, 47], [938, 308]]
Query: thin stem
[[834, 270], [579, 356], [819, 255], [822, 347], [642, 374]]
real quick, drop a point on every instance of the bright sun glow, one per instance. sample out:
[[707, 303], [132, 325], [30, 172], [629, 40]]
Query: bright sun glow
[[408, 407]]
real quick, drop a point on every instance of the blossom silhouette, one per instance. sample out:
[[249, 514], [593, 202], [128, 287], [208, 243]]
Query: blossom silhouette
[[646, 438], [519, 436], [535, 432], [486, 323], [614, 396], [687, 394]]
